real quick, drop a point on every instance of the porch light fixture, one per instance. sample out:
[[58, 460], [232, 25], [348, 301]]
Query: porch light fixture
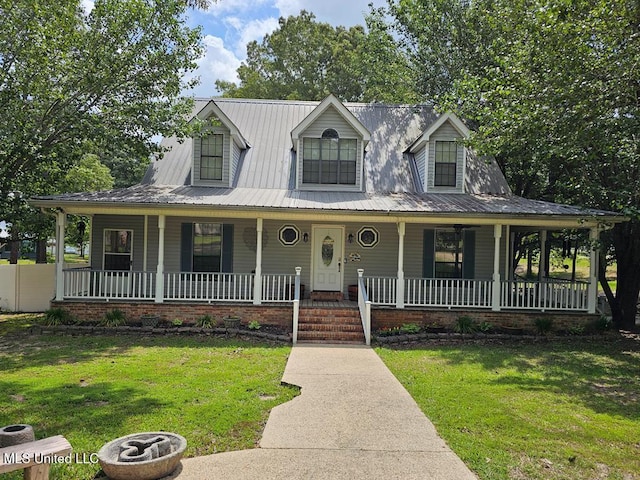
[[305, 237], [350, 238]]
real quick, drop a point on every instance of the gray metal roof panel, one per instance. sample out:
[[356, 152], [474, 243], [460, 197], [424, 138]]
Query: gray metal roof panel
[[250, 198]]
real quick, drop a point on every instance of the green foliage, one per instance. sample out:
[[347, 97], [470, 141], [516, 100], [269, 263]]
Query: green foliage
[[206, 321], [410, 328], [552, 91], [73, 84], [114, 318], [485, 327], [57, 316], [306, 59], [177, 322], [465, 324], [543, 325], [576, 330], [254, 325], [603, 324]]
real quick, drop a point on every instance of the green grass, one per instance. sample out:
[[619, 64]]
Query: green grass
[[546, 411], [217, 393]]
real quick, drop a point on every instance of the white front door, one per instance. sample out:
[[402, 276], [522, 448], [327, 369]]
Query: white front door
[[327, 258]]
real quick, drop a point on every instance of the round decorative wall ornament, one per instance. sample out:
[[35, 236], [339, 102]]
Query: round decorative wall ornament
[[368, 237], [289, 235]]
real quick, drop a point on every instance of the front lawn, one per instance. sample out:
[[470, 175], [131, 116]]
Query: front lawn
[[561, 410], [217, 393]]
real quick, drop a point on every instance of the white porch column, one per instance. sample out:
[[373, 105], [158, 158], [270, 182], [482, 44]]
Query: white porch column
[[145, 245], [160, 269], [508, 269], [400, 284], [257, 279], [592, 300], [542, 267], [495, 299], [61, 218]]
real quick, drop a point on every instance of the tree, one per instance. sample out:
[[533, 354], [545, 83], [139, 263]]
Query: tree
[[71, 83], [554, 91], [307, 60]]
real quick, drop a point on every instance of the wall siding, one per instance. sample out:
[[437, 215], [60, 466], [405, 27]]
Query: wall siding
[[421, 166], [331, 119], [445, 132]]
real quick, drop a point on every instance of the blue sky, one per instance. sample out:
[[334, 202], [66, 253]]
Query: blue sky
[[230, 24]]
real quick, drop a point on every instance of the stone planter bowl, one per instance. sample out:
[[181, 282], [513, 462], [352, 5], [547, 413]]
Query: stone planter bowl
[[147, 468], [16, 434]]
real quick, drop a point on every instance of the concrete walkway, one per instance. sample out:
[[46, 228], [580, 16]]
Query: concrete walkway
[[353, 420]]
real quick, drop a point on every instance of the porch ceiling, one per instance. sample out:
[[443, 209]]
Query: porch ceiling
[[337, 206]]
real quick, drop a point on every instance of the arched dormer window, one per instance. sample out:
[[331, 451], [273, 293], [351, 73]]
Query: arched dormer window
[[329, 159], [330, 133]]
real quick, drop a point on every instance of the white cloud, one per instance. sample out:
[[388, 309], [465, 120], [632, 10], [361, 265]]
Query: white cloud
[[218, 63], [254, 30], [87, 6]]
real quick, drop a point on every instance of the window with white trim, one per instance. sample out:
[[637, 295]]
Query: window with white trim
[[448, 254], [446, 163], [211, 156], [118, 245], [207, 247], [329, 159]]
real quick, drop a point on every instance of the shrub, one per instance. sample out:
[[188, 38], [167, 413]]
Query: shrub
[[205, 321], [176, 322], [603, 324], [254, 325], [543, 325], [58, 316], [576, 330], [485, 327], [410, 328], [465, 324], [113, 318]]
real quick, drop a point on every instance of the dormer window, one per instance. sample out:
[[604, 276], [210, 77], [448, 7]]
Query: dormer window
[[329, 159], [446, 162], [211, 157]]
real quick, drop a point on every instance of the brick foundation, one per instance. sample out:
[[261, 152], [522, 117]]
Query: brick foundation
[[280, 315], [390, 317]]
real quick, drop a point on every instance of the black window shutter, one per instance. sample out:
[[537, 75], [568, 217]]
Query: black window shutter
[[227, 248], [469, 254], [186, 248], [428, 252]]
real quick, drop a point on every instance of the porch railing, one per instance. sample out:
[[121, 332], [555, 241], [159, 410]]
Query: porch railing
[[108, 284], [209, 287], [381, 290], [364, 306], [278, 287], [447, 292], [544, 295]]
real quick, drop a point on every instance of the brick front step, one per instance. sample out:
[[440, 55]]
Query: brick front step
[[330, 325], [328, 337]]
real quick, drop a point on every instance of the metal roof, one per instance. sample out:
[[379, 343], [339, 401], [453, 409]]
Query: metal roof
[[267, 170], [392, 203]]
